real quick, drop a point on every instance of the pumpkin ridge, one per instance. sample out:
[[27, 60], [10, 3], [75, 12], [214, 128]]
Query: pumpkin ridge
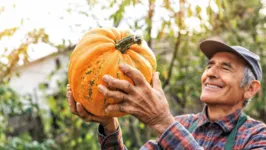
[[82, 47], [125, 33], [146, 53], [97, 98], [126, 60], [84, 59], [85, 83], [72, 59], [101, 31], [141, 64], [116, 33], [114, 72], [94, 39]]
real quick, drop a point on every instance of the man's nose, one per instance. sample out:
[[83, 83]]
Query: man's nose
[[212, 72]]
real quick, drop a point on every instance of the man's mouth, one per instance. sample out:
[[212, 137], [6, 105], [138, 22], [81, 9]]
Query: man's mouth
[[212, 86]]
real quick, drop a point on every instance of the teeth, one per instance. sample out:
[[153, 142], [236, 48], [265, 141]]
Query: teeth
[[212, 86]]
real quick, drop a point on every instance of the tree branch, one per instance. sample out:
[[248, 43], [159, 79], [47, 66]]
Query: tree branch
[[180, 16], [169, 75]]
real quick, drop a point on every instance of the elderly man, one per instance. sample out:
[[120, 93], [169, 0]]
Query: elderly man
[[231, 78]]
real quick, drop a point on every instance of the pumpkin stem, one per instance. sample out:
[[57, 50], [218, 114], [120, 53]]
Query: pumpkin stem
[[126, 42]]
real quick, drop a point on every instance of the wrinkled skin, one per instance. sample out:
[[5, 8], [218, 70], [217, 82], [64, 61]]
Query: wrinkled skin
[[147, 103]]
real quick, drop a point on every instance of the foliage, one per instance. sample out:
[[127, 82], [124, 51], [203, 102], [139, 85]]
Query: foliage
[[20, 53], [179, 59], [67, 130], [25, 142], [10, 106]]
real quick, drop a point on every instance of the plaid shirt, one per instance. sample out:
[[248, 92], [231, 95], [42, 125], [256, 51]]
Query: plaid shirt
[[207, 135]]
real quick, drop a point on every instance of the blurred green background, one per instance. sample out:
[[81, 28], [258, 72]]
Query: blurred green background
[[37, 37]]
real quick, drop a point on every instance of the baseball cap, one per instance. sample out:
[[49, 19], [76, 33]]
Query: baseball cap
[[210, 47]]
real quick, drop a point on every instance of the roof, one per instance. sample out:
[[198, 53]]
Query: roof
[[65, 51]]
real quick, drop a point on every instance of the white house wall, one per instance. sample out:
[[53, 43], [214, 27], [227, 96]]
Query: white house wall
[[31, 75]]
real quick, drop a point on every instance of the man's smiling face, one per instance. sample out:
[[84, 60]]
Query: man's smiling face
[[221, 80]]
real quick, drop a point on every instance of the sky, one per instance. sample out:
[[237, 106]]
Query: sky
[[51, 15], [64, 19], [61, 19]]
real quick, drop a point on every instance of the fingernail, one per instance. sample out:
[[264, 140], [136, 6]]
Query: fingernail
[[158, 74], [105, 78], [101, 88], [122, 66], [68, 93]]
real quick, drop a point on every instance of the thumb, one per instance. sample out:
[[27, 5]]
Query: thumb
[[156, 83]]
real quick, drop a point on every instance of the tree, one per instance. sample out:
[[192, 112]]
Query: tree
[[180, 63]]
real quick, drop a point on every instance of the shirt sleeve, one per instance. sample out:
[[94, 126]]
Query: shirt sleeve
[[175, 137], [258, 140], [113, 141]]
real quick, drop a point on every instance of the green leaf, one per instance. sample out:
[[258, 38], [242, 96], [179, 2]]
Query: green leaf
[[225, 3], [233, 24], [189, 12], [141, 126], [198, 10], [220, 9], [209, 12], [73, 143]]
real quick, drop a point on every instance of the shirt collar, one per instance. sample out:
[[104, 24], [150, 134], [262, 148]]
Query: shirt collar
[[227, 123]]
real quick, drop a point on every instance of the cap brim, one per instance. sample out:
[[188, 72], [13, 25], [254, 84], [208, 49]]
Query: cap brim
[[211, 47]]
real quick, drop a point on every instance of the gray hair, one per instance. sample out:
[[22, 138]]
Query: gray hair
[[247, 79]]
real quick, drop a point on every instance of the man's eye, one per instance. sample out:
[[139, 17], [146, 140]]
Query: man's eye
[[225, 68]]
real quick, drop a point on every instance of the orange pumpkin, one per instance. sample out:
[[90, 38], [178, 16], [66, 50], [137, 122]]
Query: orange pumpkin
[[100, 52]]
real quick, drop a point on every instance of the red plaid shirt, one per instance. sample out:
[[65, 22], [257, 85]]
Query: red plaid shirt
[[207, 135]]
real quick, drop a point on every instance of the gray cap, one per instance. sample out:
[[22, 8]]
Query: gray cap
[[210, 47]]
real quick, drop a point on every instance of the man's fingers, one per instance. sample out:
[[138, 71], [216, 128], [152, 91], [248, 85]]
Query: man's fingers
[[118, 96], [122, 107], [114, 108], [71, 102], [79, 110], [67, 89], [83, 113], [156, 83], [119, 84], [134, 74], [88, 117]]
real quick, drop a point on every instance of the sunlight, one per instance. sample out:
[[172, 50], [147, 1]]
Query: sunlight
[[68, 20], [34, 14]]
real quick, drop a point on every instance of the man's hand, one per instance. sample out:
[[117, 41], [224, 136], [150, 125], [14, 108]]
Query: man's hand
[[109, 124], [146, 103]]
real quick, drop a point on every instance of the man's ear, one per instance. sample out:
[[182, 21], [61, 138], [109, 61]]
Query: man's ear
[[252, 89]]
